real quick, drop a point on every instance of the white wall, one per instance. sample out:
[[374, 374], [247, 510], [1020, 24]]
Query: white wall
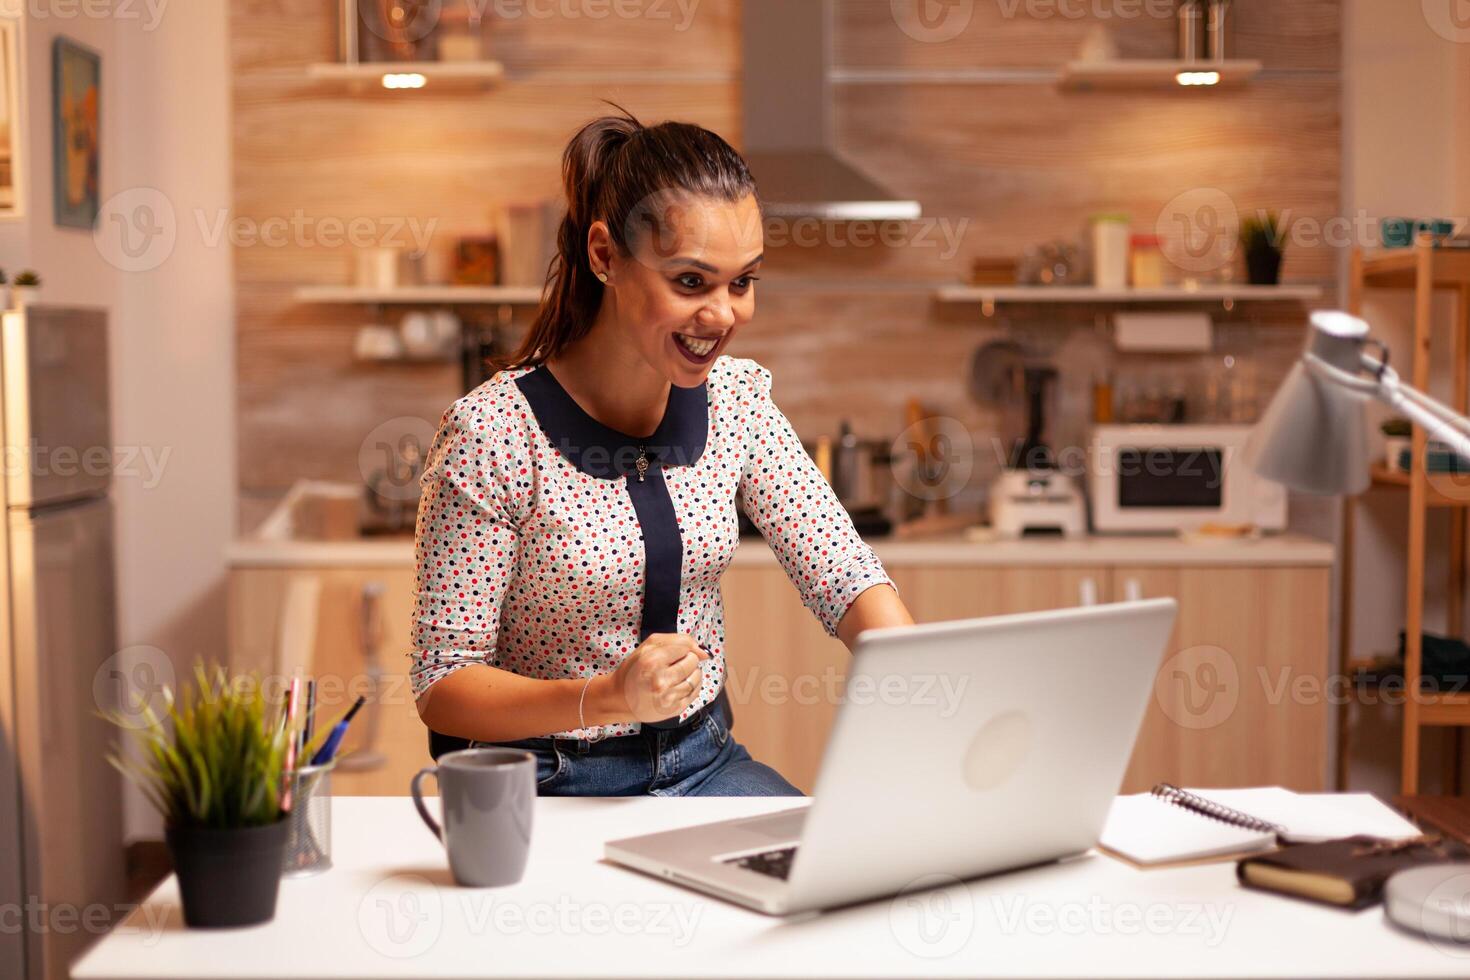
[[1406, 148], [165, 109]]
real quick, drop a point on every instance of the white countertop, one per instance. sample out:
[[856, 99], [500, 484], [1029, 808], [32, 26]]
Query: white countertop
[[389, 909], [1277, 549]]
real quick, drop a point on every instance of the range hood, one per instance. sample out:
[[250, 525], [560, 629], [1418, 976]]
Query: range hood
[[786, 106]]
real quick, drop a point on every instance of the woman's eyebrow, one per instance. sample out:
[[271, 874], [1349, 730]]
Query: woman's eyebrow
[[705, 266]]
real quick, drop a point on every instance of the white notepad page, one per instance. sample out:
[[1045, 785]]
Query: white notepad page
[[1147, 830]]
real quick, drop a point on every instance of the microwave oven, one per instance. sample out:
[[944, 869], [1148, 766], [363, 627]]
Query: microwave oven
[[1170, 478]]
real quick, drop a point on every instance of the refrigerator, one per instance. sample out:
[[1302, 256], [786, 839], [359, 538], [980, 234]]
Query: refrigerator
[[61, 834]]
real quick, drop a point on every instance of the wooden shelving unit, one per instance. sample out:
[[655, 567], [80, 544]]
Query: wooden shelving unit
[[1424, 269], [1126, 73]]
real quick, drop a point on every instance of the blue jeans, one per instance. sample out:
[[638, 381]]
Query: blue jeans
[[704, 760]]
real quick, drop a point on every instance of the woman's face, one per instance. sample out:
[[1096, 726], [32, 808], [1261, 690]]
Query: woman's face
[[689, 284]]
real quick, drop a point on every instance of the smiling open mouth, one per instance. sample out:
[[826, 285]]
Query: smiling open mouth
[[698, 349]]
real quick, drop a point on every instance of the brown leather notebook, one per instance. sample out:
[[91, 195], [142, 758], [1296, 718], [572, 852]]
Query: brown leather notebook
[[1348, 873]]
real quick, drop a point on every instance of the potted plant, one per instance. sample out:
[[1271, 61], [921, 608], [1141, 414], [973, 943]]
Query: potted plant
[[27, 288], [213, 766], [1398, 438], [1261, 239]]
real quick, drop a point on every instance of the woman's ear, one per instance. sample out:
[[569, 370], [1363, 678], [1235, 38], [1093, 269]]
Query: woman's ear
[[600, 250]]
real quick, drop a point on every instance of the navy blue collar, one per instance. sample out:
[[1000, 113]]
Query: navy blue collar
[[601, 451]]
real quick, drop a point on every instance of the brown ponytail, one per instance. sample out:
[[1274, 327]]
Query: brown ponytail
[[611, 168]]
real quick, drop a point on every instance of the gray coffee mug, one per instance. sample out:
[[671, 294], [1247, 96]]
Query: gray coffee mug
[[487, 797]]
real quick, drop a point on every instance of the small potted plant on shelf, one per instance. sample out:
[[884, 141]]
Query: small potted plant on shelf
[[1261, 238], [27, 288], [1398, 438], [213, 766]]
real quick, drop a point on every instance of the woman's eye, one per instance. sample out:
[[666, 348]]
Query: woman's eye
[[690, 281], [745, 282]]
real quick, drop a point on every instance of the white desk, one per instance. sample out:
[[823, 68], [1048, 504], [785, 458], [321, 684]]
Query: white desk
[[389, 909]]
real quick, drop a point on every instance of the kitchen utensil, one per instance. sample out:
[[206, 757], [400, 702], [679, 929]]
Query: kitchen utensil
[[429, 334], [1054, 263], [377, 342], [1030, 501], [487, 797], [997, 380], [929, 467], [1033, 452], [527, 236], [861, 474]]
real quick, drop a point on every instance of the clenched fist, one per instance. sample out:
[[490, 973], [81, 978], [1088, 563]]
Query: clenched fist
[[660, 678]]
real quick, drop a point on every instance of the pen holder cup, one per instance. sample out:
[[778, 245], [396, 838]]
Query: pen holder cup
[[309, 841]]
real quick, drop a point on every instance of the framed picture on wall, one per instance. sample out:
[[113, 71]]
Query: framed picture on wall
[[76, 91], [11, 196]]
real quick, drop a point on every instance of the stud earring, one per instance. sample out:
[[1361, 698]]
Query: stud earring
[[602, 276]]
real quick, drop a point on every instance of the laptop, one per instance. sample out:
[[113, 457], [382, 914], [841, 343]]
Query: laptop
[[962, 748]]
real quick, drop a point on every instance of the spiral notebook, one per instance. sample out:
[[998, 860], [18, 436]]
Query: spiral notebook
[[1171, 825]]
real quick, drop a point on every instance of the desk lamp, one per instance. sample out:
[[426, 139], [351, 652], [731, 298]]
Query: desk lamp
[[1313, 436]]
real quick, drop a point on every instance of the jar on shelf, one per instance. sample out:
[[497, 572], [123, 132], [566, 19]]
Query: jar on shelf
[[1146, 261], [1110, 251]]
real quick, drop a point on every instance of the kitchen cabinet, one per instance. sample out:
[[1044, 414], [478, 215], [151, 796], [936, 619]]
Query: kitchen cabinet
[[1240, 700], [273, 633], [1241, 696]]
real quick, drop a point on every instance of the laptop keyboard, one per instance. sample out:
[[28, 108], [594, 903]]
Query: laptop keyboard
[[775, 863]]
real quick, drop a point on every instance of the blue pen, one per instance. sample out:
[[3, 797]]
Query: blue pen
[[329, 747]]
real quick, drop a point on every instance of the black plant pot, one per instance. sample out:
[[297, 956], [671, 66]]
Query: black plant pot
[[1263, 266], [228, 877]]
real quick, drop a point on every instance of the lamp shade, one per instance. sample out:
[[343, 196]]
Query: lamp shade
[[1313, 437]]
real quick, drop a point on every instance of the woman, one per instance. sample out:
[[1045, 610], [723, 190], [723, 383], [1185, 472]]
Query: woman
[[579, 507]]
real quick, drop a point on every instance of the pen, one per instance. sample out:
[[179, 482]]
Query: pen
[[290, 768], [308, 723], [329, 747]]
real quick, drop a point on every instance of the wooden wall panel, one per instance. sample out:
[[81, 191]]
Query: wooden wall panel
[[1296, 35], [1029, 163], [850, 331]]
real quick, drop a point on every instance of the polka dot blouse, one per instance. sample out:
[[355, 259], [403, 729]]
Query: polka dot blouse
[[550, 545]]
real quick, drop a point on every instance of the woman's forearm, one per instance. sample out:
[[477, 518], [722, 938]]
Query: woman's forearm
[[489, 704], [875, 607]]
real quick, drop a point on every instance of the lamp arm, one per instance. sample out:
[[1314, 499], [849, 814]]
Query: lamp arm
[[1429, 404], [1435, 417]]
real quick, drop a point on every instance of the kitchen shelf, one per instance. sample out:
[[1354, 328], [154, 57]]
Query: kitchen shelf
[[1135, 73], [1399, 268], [461, 295], [1224, 293], [365, 76], [1384, 478]]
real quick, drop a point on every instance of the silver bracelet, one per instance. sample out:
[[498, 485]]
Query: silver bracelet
[[581, 719]]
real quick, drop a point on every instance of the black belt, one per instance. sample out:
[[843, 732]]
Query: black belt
[[440, 743], [582, 745], [672, 724]]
